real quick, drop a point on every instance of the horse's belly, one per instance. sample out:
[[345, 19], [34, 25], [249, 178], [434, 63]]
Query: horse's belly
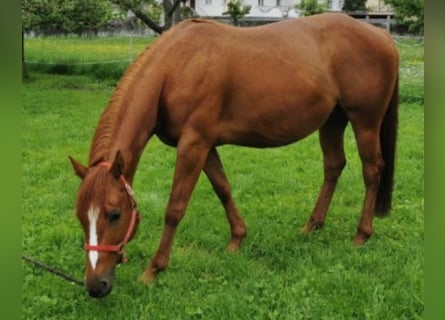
[[271, 130], [255, 139]]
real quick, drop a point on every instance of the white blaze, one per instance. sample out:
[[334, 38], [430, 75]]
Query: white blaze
[[93, 215]]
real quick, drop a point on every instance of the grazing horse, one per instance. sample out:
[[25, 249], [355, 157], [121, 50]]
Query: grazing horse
[[204, 84]]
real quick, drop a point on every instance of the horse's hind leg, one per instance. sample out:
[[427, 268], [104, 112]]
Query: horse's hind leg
[[215, 173], [367, 133], [331, 141]]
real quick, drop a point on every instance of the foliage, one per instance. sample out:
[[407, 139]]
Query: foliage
[[354, 5], [65, 16], [278, 274], [236, 10], [187, 12], [311, 7], [150, 11], [40, 16], [409, 12]]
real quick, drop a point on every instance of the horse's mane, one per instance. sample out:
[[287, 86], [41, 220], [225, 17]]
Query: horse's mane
[[109, 120]]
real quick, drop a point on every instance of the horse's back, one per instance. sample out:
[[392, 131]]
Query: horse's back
[[329, 47], [278, 82], [320, 28]]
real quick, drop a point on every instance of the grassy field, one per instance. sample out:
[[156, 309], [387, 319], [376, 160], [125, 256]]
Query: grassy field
[[99, 57], [278, 274]]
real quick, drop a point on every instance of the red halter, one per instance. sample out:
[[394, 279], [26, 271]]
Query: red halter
[[135, 217]]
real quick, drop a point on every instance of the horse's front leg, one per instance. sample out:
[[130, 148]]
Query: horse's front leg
[[191, 156]]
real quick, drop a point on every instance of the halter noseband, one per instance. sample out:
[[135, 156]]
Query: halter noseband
[[135, 217]]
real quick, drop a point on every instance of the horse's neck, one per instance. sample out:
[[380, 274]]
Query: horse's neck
[[128, 121]]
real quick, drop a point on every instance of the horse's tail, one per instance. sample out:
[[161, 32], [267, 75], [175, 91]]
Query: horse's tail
[[388, 137]]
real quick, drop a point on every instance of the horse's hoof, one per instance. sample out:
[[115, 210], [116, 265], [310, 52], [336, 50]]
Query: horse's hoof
[[306, 229], [311, 226], [234, 245], [360, 239], [148, 276]]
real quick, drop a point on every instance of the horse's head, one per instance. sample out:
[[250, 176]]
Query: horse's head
[[107, 212]]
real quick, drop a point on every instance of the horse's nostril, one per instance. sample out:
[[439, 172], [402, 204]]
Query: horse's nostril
[[104, 283], [101, 289]]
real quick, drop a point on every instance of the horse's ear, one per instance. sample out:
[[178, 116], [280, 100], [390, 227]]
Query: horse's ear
[[117, 167], [79, 169]]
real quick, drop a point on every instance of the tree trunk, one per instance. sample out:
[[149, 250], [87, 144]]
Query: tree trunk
[[172, 15], [150, 23]]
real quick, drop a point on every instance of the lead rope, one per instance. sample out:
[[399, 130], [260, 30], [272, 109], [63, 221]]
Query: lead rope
[[52, 270]]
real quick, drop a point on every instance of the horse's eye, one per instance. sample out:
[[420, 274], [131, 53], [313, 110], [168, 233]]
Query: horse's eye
[[114, 215]]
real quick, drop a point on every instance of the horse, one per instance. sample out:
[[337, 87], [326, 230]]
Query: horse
[[204, 84]]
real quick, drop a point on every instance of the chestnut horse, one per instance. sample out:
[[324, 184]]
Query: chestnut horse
[[204, 84]]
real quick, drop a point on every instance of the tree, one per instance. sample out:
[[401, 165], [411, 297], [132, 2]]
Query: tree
[[65, 16], [149, 12], [354, 5], [88, 16], [236, 10], [41, 16], [311, 7], [409, 12]]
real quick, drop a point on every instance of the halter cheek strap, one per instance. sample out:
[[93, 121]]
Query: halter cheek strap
[[135, 218]]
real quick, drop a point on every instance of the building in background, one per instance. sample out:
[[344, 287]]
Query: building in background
[[271, 8]]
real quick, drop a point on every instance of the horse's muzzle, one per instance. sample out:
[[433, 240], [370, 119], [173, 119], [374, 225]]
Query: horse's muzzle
[[99, 287]]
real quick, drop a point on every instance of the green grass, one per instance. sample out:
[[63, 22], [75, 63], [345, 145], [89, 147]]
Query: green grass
[[101, 57], [278, 274], [411, 70]]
